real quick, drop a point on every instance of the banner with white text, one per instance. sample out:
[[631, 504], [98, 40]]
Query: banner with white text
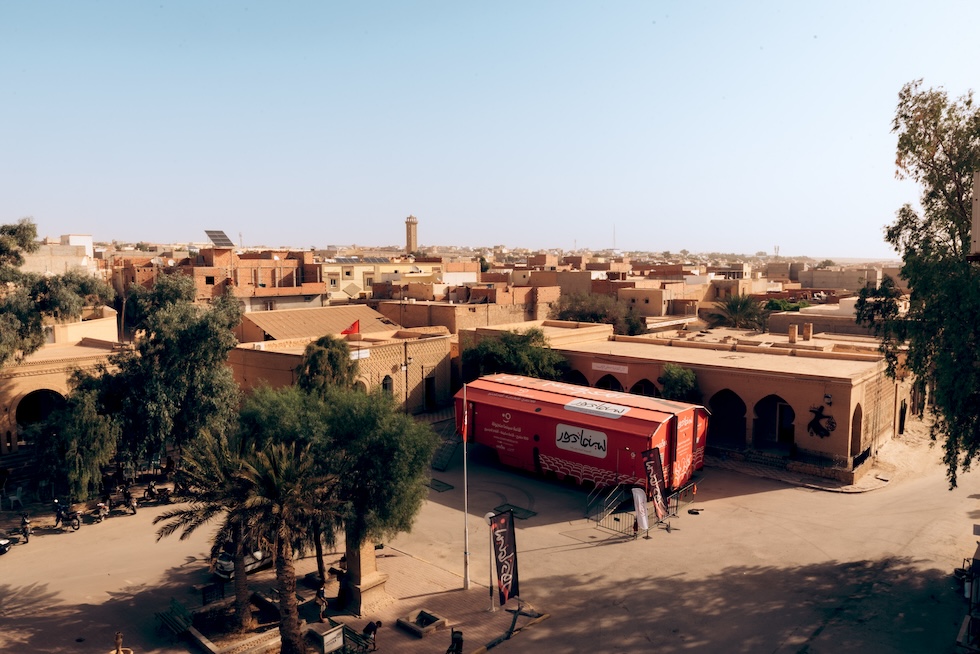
[[505, 553], [655, 481]]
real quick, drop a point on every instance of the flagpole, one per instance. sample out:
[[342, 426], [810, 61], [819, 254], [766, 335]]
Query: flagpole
[[466, 501], [489, 518]]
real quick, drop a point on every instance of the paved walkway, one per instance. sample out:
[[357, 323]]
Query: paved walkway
[[414, 583]]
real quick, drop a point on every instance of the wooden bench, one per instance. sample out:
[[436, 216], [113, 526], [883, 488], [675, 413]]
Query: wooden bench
[[177, 618]]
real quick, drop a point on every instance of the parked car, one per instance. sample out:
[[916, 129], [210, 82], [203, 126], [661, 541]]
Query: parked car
[[224, 566]]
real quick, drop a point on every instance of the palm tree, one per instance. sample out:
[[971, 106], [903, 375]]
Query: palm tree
[[739, 311], [210, 468], [284, 493]]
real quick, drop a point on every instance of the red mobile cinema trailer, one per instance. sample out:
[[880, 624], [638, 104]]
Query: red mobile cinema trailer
[[589, 434]]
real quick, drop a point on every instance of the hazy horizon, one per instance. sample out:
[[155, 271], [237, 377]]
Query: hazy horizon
[[554, 125]]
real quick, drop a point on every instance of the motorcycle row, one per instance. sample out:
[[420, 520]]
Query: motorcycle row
[[69, 518]]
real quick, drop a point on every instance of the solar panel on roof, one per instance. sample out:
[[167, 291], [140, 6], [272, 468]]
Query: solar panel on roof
[[219, 238]]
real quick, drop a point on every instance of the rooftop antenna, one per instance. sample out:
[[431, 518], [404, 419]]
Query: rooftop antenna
[[776, 248], [614, 236], [241, 243]]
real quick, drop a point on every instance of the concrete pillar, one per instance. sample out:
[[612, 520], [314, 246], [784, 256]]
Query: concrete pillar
[[807, 331], [793, 330]]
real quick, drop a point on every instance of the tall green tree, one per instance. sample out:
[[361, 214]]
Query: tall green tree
[[326, 363], [28, 300], [176, 383], [939, 149], [383, 458], [520, 353], [588, 307], [79, 441], [739, 311]]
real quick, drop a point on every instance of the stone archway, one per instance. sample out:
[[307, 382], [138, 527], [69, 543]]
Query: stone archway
[[645, 387], [609, 383], [32, 409], [726, 427], [575, 377], [774, 424]]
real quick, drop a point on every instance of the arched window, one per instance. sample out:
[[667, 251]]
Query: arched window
[[388, 385]]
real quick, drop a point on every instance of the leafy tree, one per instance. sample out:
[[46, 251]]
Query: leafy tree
[[484, 264], [679, 384], [327, 362], [739, 311], [526, 353], [383, 457], [78, 441], [826, 263], [28, 299], [938, 148], [599, 309], [176, 384]]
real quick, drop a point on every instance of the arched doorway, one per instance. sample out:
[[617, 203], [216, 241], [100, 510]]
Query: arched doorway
[[857, 421], [609, 383], [575, 377], [726, 427], [33, 409], [645, 387], [774, 423], [388, 385]]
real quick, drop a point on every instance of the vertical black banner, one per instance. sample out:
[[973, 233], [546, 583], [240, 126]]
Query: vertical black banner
[[655, 481], [505, 553]]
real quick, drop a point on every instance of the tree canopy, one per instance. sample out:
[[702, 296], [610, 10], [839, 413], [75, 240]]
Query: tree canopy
[[520, 353], [680, 384], [939, 149], [326, 363], [173, 387], [30, 299], [591, 307]]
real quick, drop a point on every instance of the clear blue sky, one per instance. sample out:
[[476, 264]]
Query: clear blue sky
[[706, 126]]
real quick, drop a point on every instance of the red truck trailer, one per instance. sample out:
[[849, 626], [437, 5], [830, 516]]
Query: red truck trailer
[[589, 434]]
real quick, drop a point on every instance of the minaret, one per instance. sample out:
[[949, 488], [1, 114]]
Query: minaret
[[411, 234]]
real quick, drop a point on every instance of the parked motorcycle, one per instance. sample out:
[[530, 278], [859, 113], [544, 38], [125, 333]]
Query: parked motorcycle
[[4, 545], [129, 500], [154, 493], [65, 516], [25, 527], [101, 511]]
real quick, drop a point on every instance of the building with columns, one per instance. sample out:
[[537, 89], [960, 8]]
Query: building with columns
[[814, 402]]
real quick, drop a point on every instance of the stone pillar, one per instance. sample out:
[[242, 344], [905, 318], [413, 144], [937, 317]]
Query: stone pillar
[[807, 331], [367, 585], [793, 330]]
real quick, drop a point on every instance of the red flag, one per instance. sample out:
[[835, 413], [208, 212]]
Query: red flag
[[355, 328], [465, 415]]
